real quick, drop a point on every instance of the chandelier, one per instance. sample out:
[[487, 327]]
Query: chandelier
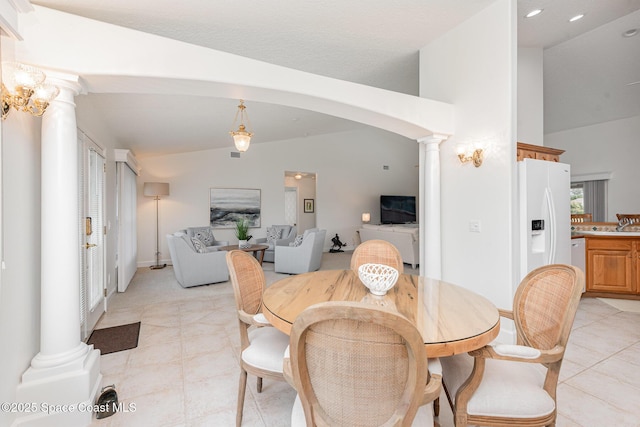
[[241, 137], [23, 88]]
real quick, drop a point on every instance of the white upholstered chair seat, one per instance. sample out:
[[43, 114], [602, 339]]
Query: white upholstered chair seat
[[508, 389], [424, 416], [266, 349]]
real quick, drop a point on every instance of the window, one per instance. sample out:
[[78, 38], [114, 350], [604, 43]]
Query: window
[[590, 197], [577, 198]]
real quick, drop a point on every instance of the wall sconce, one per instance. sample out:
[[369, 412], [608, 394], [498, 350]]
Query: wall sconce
[[470, 153], [23, 88], [366, 217]]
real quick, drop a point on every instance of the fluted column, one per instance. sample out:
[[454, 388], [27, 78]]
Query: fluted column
[[66, 371], [430, 238]]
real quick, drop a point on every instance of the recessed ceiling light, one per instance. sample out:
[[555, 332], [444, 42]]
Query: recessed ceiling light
[[575, 18], [630, 33], [533, 13]]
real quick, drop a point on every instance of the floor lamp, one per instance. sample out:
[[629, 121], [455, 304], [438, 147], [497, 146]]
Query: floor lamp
[[155, 190]]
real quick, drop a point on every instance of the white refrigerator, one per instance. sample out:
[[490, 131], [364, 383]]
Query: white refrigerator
[[545, 214]]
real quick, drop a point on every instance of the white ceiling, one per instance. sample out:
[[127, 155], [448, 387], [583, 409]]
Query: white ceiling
[[373, 42]]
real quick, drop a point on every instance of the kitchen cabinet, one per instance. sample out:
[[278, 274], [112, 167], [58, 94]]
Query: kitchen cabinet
[[613, 266], [538, 152]]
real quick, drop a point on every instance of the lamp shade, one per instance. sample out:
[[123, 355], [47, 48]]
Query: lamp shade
[[155, 189], [366, 217]]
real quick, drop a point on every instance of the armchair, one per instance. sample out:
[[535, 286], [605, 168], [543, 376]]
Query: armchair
[[192, 268], [301, 259], [286, 234], [515, 385]]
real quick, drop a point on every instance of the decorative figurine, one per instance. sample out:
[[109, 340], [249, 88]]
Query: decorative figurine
[[337, 244]]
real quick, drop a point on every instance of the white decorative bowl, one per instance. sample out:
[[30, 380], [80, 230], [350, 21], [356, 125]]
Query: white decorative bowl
[[379, 278]]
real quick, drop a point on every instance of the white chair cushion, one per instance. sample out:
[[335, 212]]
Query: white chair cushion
[[259, 318], [508, 389], [435, 367], [513, 350], [424, 416], [266, 349]]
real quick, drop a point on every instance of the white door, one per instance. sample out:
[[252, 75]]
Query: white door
[[291, 205], [92, 278], [126, 220]]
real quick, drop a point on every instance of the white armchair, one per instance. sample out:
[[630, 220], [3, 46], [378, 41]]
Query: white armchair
[[303, 258], [193, 268]]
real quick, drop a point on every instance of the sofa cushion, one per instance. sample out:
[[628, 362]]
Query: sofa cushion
[[371, 226], [204, 234], [273, 234], [198, 245]]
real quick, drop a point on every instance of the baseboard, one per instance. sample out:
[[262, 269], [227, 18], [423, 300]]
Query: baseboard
[[147, 264]]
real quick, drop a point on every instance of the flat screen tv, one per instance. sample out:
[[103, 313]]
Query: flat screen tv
[[397, 209]]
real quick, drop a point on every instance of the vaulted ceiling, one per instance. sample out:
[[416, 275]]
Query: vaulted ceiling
[[374, 42]]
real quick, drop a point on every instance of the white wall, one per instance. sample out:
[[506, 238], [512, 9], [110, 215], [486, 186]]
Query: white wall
[[350, 179], [530, 96], [605, 147], [20, 282], [474, 67]]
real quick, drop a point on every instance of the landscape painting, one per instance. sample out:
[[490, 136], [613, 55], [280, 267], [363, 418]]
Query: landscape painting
[[227, 205]]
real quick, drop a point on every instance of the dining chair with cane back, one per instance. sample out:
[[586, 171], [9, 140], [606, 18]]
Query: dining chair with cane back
[[515, 385], [634, 217], [262, 346], [378, 252], [356, 364], [578, 218]]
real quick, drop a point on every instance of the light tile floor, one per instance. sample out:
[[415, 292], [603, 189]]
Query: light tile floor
[[185, 371]]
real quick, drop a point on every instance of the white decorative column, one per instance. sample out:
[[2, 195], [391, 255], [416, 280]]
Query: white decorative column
[[430, 239], [66, 371]]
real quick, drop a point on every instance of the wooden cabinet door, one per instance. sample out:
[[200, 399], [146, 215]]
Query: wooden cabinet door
[[636, 265], [611, 271], [525, 154], [548, 157]]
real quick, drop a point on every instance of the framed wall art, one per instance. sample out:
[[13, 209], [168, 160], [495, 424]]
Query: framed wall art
[[227, 205], [309, 205]]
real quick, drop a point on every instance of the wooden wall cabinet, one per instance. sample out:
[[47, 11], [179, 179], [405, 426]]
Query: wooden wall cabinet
[[613, 265], [528, 151]]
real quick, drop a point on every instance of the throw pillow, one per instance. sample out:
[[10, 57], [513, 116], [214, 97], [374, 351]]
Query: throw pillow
[[297, 241], [204, 234], [198, 245], [273, 234]]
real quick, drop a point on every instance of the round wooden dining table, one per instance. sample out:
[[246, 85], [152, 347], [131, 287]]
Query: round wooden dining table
[[450, 318]]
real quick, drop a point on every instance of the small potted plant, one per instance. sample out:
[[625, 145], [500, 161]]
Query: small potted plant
[[242, 233]]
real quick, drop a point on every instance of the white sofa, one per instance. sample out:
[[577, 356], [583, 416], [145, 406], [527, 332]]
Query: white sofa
[[403, 237]]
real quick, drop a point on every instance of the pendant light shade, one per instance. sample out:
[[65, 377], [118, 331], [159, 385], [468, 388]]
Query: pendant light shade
[[241, 137]]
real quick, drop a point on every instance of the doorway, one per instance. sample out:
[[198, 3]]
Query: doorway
[[92, 231], [300, 199]]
